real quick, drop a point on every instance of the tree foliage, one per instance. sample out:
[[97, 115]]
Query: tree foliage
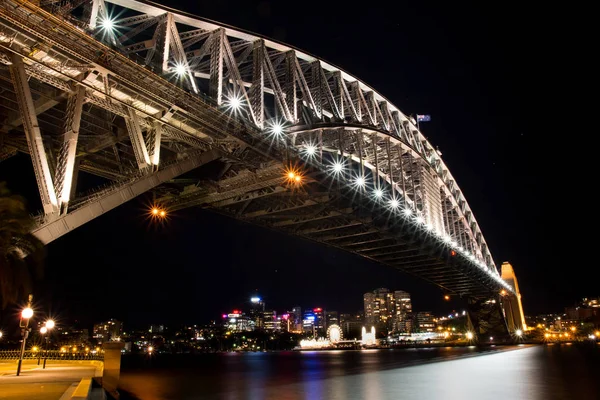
[[21, 253]]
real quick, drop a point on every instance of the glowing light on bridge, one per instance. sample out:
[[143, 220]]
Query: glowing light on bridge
[[337, 167], [519, 332], [310, 150], [294, 176], [469, 335], [234, 103], [180, 69], [378, 193], [360, 181], [277, 129], [420, 220], [407, 212], [108, 24], [158, 213], [394, 203]]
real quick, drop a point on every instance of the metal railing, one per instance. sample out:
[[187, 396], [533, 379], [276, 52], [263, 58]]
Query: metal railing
[[62, 355]]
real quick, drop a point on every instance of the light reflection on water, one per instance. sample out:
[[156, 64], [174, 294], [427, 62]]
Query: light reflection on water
[[538, 372]]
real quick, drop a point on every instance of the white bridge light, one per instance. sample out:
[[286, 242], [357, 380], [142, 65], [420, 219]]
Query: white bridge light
[[420, 220], [107, 24], [310, 150], [408, 212], [277, 129], [394, 203], [360, 181], [180, 69], [378, 193], [337, 167], [235, 102]]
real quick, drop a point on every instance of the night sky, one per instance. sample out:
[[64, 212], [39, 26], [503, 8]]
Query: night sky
[[500, 83]]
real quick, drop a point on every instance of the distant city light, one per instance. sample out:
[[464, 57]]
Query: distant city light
[[255, 299], [43, 330], [50, 324]]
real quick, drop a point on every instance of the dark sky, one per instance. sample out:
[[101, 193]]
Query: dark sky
[[500, 82]]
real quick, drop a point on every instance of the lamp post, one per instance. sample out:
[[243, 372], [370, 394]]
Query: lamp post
[[26, 315], [43, 331], [48, 327]]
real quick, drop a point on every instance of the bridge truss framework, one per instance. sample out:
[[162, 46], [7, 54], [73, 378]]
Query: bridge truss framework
[[140, 94]]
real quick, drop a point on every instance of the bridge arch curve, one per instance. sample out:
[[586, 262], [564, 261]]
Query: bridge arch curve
[[178, 85]]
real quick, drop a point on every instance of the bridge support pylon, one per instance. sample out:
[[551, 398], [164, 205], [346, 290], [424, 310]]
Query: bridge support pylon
[[487, 322], [511, 303]]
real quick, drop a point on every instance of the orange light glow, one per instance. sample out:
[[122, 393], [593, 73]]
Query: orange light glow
[[155, 211], [503, 292], [163, 213], [446, 297], [294, 176]]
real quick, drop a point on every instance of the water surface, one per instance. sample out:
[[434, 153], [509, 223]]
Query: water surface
[[519, 372]]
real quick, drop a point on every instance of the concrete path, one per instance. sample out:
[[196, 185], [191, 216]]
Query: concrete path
[[36, 383]]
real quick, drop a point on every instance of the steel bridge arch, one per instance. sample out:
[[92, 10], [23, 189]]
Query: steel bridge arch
[[311, 96]]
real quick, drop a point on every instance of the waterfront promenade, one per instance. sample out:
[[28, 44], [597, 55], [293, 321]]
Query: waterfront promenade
[[51, 383]]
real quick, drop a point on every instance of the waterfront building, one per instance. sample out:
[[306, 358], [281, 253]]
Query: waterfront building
[[384, 309], [109, 330], [237, 321], [425, 321]]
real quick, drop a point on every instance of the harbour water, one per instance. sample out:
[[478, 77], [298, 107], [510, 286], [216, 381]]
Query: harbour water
[[559, 371]]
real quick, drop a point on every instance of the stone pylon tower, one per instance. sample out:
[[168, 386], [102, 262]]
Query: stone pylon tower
[[512, 305]]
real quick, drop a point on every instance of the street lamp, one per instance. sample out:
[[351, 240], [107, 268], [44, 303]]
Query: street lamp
[[45, 330], [26, 315]]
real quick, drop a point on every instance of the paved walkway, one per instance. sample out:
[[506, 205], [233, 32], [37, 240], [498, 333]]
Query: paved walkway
[[36, 383]]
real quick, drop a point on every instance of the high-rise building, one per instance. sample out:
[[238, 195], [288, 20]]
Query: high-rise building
[[109, 330], [257, 307], [294, 321], [270, 321], [308, 322], [331, 318], [385, 309], [320, 326], [351, 325], [369, 302]]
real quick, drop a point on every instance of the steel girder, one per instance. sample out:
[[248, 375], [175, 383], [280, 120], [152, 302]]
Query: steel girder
[[156, 98]]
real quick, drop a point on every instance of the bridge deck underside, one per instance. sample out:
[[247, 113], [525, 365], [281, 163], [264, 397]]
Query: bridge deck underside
[[341, 218]]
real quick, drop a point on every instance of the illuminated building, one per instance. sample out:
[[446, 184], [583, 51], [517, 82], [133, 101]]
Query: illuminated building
[[236, 321], [320, 326], [385, 309], [270, 321], [257, 307], [107, 331], [331, 318], [295, 320], [308, 322], [425, 322], [156, 329], [351, 325]]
